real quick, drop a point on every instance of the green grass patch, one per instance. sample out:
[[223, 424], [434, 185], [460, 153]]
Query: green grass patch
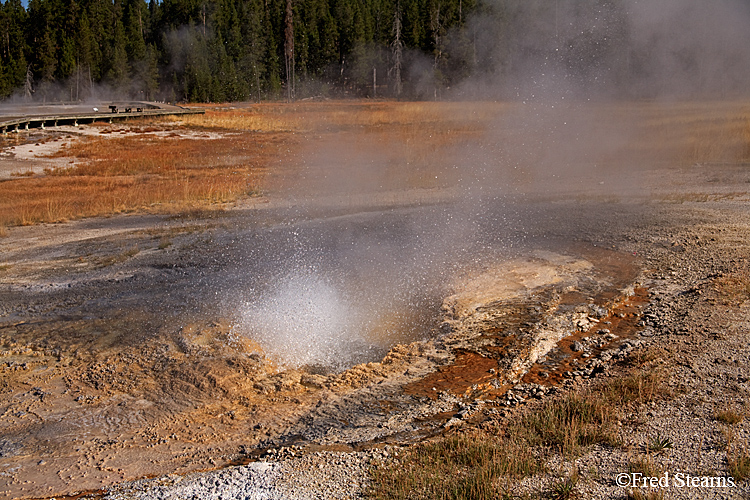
[[659, 443]]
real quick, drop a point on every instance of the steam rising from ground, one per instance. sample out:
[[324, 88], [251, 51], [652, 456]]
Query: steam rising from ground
[[552, 141], [304, 319], [594, 49], [344, 291], [307, 319]]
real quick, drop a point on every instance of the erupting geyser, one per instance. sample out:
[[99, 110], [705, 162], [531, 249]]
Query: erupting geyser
[[307, 320]]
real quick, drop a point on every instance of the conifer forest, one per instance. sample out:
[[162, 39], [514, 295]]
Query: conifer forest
[[238, 50]]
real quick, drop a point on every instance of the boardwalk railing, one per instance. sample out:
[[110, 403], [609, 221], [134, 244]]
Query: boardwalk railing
[[116, 111]]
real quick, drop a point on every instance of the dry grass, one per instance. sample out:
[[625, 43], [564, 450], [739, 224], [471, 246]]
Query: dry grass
[[738, 461], [729, 417], [373, 145], [733, 288], [27, 173], [337, 115], [644, 465], [165, 242], [56, 199], [689, 132], [483, 465], [363, 145], [460, 466], [738, 456], [571, 424], [121, 257], [146, 173], [639, 386], [265, 119]]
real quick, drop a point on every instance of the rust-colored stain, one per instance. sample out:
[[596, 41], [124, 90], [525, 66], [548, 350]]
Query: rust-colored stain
[[472, 370], [621, 321], [470, 374], [469, 369], [502, 344]]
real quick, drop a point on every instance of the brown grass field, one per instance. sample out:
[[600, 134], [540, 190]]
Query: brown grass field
[[416, 144]]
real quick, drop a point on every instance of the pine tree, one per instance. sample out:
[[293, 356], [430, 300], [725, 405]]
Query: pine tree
[[13, 45]]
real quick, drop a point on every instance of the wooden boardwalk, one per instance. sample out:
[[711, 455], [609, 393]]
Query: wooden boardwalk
[[24, 117]]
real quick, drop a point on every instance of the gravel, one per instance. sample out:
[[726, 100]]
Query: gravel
[[314, 476]]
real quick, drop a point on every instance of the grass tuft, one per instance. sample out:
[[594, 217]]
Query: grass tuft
[[640, 386], [644, 465], [738, 460], [121, 257], [565, 489], [164, 243], [572, 423], [658, 444], [729, 417]]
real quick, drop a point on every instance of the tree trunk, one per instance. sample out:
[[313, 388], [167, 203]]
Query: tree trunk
[[289, 50], [27, 88], [397, 47]]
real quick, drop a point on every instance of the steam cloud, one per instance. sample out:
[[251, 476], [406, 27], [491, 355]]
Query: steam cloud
[[560, 55], [598, 49]]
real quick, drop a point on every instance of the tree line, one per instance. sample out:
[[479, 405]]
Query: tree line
[[216, 50], [234, 50]]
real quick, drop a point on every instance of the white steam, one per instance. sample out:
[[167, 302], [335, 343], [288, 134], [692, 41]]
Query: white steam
[[306, 320]]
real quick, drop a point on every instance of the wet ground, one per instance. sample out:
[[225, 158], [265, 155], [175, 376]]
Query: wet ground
[[131, 348]]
